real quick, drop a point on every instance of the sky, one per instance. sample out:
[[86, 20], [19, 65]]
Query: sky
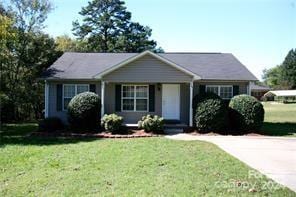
[[258, 32]]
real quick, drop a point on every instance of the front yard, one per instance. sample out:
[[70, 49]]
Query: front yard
[[125, 167]]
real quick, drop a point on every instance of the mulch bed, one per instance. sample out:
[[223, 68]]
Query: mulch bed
[[68, 134]]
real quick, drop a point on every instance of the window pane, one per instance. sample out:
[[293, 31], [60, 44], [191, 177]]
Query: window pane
[[82, 88], [128, 91], [142, 91], [66, 102], [128, 104], [69, 91], [213, 89], [225, 92], [141, 104]]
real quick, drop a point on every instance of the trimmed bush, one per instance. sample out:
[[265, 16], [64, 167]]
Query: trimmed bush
[[152, 123], [84, 111], [112, 122], [210, 112], [246, 113], [51, 124]]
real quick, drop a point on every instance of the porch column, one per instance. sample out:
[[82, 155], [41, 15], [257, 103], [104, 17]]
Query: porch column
[[191, 107], [46, 95], [103, 98], [249, 88]]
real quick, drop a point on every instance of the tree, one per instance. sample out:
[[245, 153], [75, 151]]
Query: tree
[[273, 77], [107, 27], [26, 53], [65, 43], [289, 68]]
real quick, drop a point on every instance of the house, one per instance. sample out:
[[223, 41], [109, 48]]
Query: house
[[281, 95], [135, 84], [258, 91]]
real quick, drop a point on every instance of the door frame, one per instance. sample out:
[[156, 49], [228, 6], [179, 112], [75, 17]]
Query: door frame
[[179, 101]]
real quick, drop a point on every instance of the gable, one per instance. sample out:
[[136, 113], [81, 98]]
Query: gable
[[147, 69]]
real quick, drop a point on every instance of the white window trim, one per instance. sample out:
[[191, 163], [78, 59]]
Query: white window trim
[[70, 84], [219, 87], [135, 98]]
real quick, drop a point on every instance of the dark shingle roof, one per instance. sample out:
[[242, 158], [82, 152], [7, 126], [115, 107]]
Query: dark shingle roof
[[259, 87], [214, 66]]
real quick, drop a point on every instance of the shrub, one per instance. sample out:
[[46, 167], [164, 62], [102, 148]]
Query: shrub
[[246, 113], [151, 123], [210, 112], [84, 111], [112, 122], [51, 124]]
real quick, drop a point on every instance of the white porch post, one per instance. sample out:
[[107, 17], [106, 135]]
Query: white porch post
[[103, 98], [46, 97], [249, 88], [191, 107]]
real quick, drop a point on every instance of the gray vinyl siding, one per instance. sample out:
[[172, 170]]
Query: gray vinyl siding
[[134, 117], [147, 69], [52, 101], [242, 85]]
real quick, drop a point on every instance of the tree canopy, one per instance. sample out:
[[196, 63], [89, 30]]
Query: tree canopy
[[282, 76], [107, 27], [25, 53]]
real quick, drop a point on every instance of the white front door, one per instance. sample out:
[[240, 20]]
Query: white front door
[[171, 101]]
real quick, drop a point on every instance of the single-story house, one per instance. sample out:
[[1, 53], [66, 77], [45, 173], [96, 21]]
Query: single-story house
[[136, 84], [281, 95], [258, 91]]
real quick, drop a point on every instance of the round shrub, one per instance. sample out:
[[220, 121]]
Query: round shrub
[[112, 122], [84, 111], [51, 124], [246, 113], [152, 123], [210, 112]]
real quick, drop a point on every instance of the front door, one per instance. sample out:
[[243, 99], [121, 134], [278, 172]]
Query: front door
[[171, 101]]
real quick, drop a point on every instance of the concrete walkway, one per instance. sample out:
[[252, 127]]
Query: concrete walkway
[[273, 156]]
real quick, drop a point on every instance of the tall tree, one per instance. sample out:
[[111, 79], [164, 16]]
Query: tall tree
[[289, 68], [29, 52], [107, 27]]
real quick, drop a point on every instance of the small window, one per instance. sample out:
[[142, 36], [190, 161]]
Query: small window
[[225, 92], [70, 90], [134, 98]]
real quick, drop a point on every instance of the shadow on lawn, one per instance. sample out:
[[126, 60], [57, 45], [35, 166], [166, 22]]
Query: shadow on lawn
[[279, 129], [18, 134]]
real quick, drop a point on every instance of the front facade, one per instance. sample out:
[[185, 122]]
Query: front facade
[[133, 85]]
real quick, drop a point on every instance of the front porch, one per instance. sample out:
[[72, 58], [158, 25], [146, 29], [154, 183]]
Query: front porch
[[172, 101]]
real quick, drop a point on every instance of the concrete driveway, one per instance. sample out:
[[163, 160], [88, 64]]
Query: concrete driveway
[[273, 156]]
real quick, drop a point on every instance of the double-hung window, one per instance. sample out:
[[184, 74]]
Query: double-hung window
[[70, 90], [224, 91], [134, 98]]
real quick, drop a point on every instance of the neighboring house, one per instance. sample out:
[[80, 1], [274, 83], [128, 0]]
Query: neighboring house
[[281, 95], [135, 84], [258, 91]]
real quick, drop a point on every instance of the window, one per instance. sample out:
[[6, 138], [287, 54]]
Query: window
[[70, 90], [134, 97], [225, 92]]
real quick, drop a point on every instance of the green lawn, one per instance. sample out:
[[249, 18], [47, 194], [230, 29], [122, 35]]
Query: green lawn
[[121, 167], [280, 119]]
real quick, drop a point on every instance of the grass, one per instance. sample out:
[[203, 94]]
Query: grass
[[280, 119], [121, 167]]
